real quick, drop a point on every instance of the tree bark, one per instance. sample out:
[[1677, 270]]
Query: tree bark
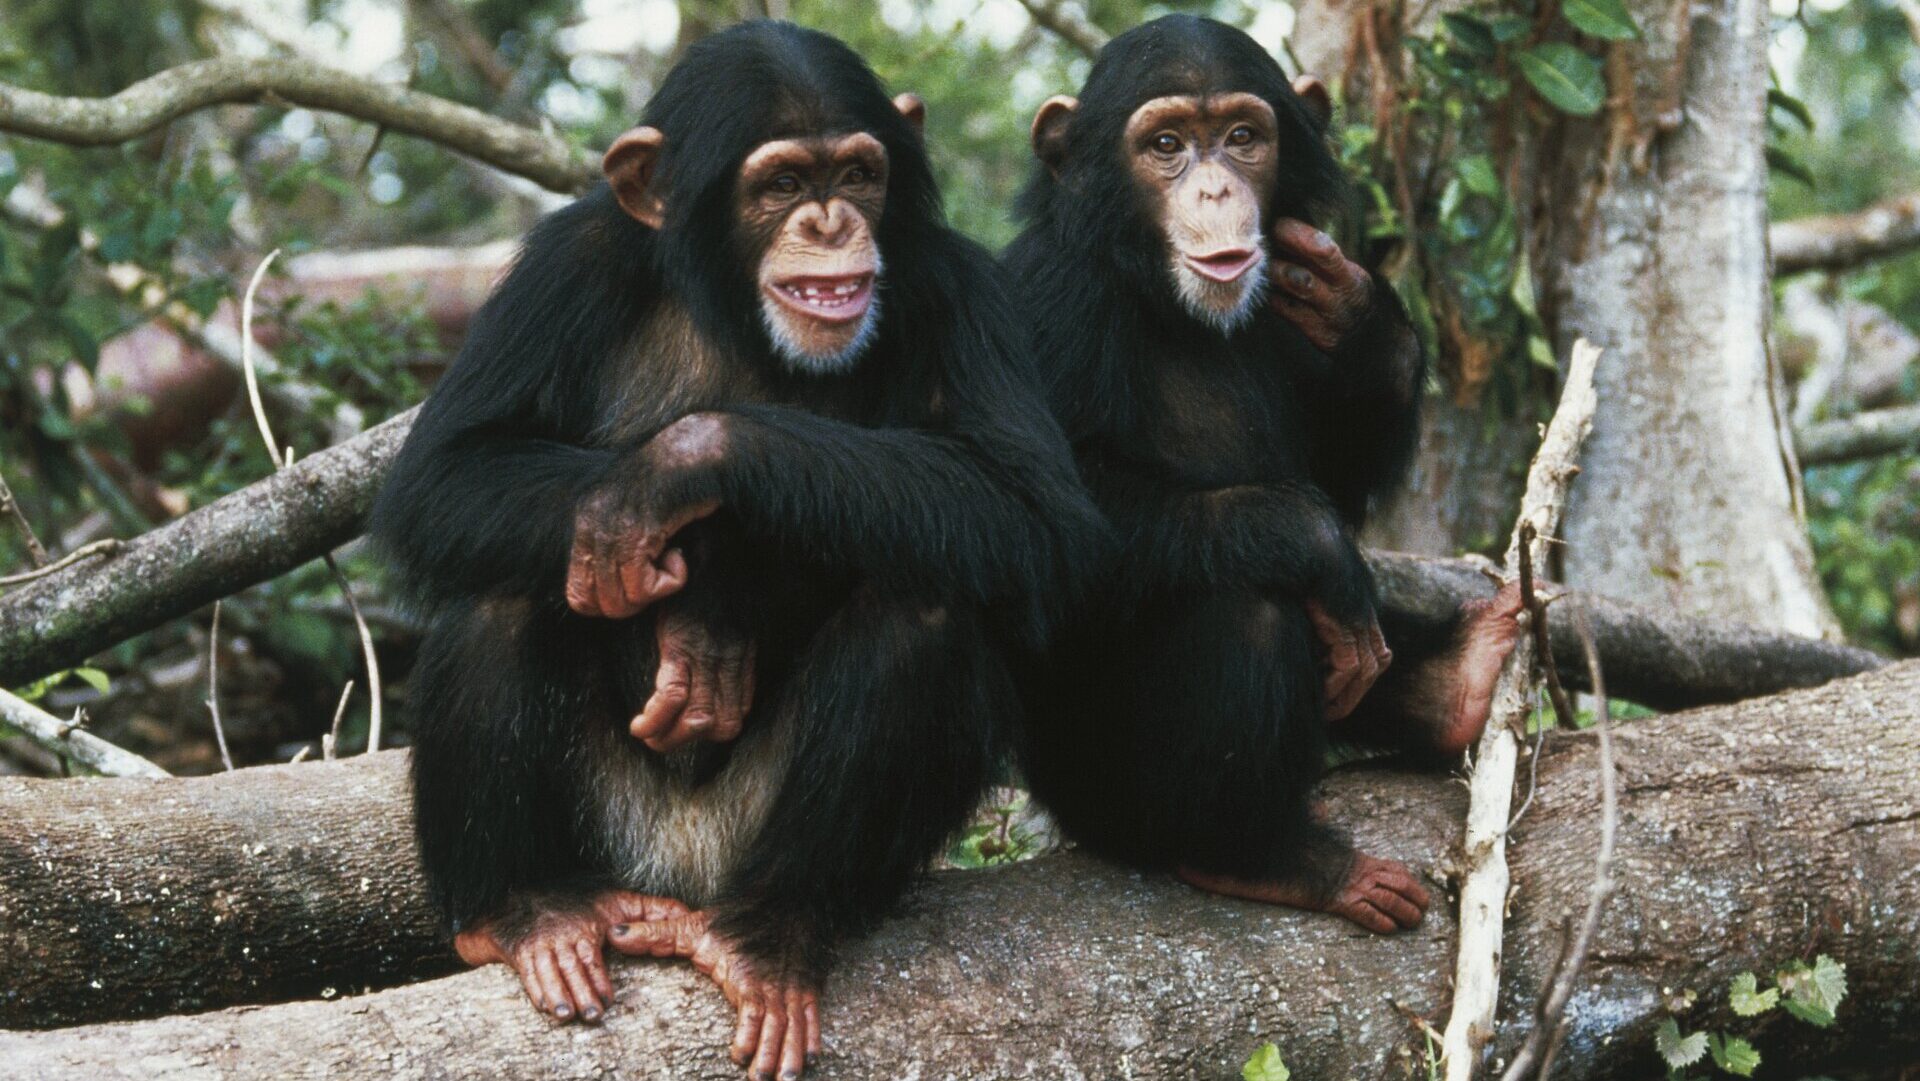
[[321, 502], [1864, 435], [1802, 841], [1844, 241], [1668, 273]]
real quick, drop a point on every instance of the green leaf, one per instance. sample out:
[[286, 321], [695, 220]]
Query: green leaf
[[1748, 1000], [1814, 991], [1679, 1051], [1508, 28], [1470, 33], [1569, 79], [1792, 106], [93, 677], [1792, 166], [1601, 18], [1477, 173], [1265, 1065], [1733, 1054]]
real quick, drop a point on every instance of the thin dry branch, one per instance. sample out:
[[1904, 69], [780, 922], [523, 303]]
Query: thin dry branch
[[1864, 435], [1844, 241], [70, 741], [213, 688], [1484, 881], [544, 158], [35, 551], [1068, 23]]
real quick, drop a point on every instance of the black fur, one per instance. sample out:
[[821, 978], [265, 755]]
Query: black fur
[[1179, 720], [888, 536]]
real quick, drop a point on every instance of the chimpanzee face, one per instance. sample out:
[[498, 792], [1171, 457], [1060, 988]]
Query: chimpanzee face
[[806, 222], [1206, 166], [808, 211]]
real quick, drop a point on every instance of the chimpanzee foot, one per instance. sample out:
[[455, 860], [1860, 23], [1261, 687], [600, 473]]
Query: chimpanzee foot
[[560, 960], [1488, 629], [1382, 896], [778, 1030]]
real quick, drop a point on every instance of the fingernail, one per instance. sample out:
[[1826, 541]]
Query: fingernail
[[790, 1075], [621, 929], [590, 1014], [1321, 239], [563, 1012], [1298, 278]]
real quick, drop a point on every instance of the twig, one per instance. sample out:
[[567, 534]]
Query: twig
[[213, 688], [544, 158], [1863, 435], [332, 739], [1483, 886], [1536, 603], [1069, 25], [106, 546], [35, 550], [1550, 1026], [1845, 241], [67, 740], [374, 712]]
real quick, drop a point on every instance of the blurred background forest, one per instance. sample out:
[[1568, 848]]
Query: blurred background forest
[[121, 405]]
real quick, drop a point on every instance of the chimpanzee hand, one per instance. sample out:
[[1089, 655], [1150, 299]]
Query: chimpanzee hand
[[704, 686], [1357, 654], [621, 561], [1315, 286]]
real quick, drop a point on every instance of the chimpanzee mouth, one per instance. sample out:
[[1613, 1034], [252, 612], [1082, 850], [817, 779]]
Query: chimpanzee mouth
[[1225, 265], [829, 298]]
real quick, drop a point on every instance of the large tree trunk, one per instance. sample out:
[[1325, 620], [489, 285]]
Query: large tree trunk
[[1688, 499], [1750, 835], [1689, 492]]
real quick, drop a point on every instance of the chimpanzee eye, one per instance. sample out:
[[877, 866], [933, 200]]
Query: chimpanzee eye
[[785, 184], [1240, 136], [1166, 143], [859, 174]]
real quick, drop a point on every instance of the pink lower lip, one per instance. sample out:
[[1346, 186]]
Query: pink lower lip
[[1224, 266], [826, 298]]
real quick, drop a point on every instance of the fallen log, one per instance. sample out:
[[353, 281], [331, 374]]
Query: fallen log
[[297, 515], [1750, 835]]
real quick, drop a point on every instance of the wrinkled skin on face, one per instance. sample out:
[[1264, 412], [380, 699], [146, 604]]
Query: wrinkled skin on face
[[1209, 165], [807, 210]]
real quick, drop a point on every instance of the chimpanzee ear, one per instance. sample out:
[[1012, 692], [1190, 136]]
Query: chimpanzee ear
[[914, 109], [1314, 93], [1050, 131], [629, 166]]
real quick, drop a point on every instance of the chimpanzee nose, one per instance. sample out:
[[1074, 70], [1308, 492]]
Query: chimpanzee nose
[[828, 224]]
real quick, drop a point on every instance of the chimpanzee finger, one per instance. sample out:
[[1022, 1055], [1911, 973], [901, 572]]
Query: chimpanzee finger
[[1404, 883], [674, 936], [1343, 662], [773, 1029], [559, 1001], [1318, 251], [582, 593], [606, 578], [579, 985], [670, 690], [595, 962], [667, 577], [530, 983], [697, 718], [793, 1050], [1381, 653], [814, 1044], [1299, 282], [746, 1031], [1403, 912], [1362, 912], [734, 696]]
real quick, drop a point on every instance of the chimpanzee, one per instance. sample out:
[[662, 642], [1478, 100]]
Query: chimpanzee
[[730, 518], [1237, 391]]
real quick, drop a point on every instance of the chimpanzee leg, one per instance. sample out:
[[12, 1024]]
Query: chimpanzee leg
[[1435, 697], [897, 712], [503, 693], [1192, 741]]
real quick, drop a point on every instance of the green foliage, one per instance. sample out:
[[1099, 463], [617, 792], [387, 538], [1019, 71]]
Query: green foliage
[[92, 677], [997, 837], [1569, 79], [1809, 992], [1265, 1065]]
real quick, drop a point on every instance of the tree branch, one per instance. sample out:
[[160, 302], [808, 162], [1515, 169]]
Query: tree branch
[[292, 880], [71, 741], [546, 159], [1484, 879], [1844, 241], [1069, 24], [1863, 435]]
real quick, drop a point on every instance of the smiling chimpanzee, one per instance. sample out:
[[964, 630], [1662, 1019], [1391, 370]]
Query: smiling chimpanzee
[[1234, 412], [727, 519]]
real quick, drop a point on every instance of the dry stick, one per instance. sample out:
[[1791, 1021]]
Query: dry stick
[[68, 741], [544, 158], [1483, 886], [374, 712], [35, 550], [106, 546], [1550, 1025], [213, 688], [332, 739]]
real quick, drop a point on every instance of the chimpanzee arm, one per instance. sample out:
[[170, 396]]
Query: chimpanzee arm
[[1363, 405], [1281, 535]]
